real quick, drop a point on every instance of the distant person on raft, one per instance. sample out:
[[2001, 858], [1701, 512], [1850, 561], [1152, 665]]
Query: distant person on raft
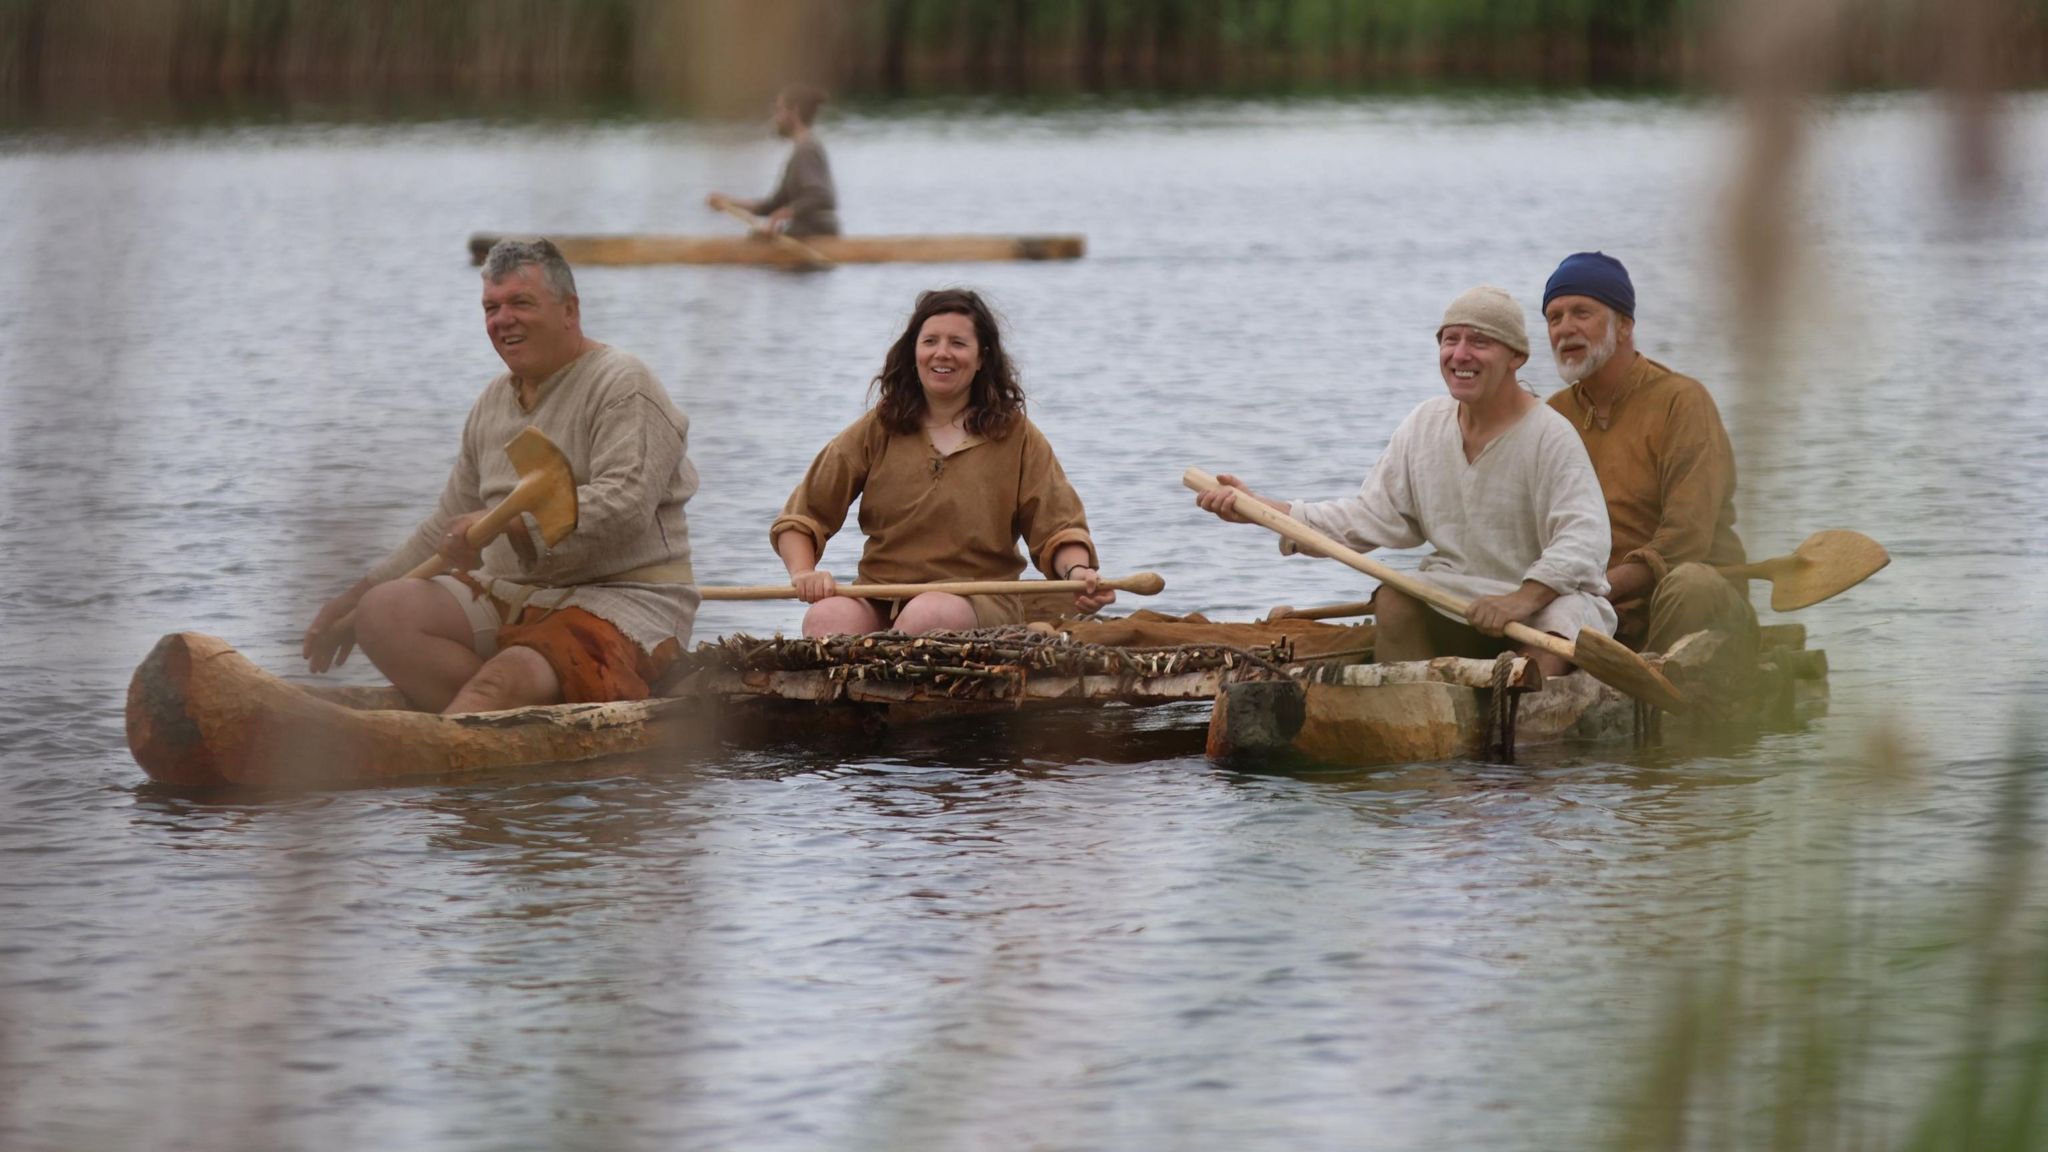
[[1495, 482], [804, 202], [950, 474], [604, 611]]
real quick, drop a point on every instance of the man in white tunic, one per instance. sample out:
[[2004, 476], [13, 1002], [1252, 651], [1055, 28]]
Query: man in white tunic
[[1491, 478], [596, 616]]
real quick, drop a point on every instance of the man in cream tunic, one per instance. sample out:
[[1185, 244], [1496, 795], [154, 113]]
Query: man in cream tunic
[[1496, 482], [600, 613]]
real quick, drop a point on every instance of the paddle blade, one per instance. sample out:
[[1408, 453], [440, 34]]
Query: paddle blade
[[549, 487], [1611, 662], [1828, 564]]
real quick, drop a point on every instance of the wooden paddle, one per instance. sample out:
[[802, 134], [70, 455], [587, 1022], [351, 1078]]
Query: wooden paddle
[[1825, 564], [811, 257], [1604, 657], [546, 488], [1143, 584]]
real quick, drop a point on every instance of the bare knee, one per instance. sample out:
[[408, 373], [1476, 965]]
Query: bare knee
[[841, 616], [1394, 608], [936, 612], [1400, 630], [395, 611], [514, 678]]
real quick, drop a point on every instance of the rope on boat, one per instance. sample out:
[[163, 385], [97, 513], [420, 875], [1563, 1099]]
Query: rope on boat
[[1500, 736]]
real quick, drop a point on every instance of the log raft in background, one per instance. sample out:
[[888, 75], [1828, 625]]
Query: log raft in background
[[656, 249]]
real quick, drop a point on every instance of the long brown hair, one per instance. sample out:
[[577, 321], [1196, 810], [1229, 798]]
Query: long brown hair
[[995, 401]]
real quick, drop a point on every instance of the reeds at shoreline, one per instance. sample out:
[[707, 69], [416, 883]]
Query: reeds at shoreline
[[119, 59]]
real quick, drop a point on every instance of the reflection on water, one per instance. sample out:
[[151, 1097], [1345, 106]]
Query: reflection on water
[[234, 367]]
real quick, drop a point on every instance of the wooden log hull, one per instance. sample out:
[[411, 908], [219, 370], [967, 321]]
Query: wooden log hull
[[200, 715], [653, 249], [1442, 709]]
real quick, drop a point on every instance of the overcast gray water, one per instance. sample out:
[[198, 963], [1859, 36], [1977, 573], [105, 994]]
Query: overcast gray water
[[234, 366]]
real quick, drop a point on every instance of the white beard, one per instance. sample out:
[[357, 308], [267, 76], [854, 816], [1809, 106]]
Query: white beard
[[1594, 360]]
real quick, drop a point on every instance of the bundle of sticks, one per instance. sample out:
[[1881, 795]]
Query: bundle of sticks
[[994, 654]]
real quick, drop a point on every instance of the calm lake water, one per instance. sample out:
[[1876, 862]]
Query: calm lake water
[[235, 365]]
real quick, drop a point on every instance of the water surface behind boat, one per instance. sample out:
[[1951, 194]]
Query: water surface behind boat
[[235, 364]]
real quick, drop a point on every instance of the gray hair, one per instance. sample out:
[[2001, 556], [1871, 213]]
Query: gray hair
[[508, 256]]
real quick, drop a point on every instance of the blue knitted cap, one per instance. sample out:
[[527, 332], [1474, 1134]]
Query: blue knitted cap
[[1594, 274]]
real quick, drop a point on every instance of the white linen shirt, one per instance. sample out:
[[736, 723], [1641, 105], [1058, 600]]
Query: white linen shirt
[[1529, 508]]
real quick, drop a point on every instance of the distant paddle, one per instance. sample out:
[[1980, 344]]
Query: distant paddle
[[1603, 657], [1142, 584], [1825, 564], [811, 257]]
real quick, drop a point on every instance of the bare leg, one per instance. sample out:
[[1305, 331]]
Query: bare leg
[[513, 678], [1400, 628], [417, 635], [842, 616], [936, 612], [1550, 662]]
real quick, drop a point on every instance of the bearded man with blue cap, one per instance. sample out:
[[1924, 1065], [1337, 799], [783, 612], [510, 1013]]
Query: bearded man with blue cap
[[1664, 462]]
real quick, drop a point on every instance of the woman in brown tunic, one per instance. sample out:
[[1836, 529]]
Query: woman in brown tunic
[[950, 475]]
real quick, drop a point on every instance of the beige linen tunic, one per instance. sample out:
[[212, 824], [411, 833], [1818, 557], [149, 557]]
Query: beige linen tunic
[[931, 517], [626, 443], [1529, 508]]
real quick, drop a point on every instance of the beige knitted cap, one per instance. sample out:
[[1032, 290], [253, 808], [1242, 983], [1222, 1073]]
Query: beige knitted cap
[[1491, 311]]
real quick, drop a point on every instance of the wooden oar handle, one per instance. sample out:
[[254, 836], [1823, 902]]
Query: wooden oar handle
[[1254, 509], [1142, 584], [782, 240], [1759, 570], [1326, 612]]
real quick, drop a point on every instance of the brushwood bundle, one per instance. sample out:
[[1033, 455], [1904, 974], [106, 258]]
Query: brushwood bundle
[[983, 660]]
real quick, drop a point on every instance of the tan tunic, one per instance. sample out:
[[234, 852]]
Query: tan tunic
[[626, 443], [930, 517], [1667, 471]]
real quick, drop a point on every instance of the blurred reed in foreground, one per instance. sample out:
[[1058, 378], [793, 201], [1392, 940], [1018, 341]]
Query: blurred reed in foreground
[[1833, 1021], [68, 59]]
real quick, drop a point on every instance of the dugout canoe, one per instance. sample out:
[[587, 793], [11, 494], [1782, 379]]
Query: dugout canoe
[[935, 249], [201, 715], [1364, 715]]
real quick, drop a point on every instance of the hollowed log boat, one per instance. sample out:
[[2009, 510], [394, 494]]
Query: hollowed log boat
[[1452, 708], [934, 249], [200, 715]]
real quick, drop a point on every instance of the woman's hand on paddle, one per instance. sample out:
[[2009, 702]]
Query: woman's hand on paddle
[[813, 586], [717, 201], [1093, 598], [455, 547], [323, 650]]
